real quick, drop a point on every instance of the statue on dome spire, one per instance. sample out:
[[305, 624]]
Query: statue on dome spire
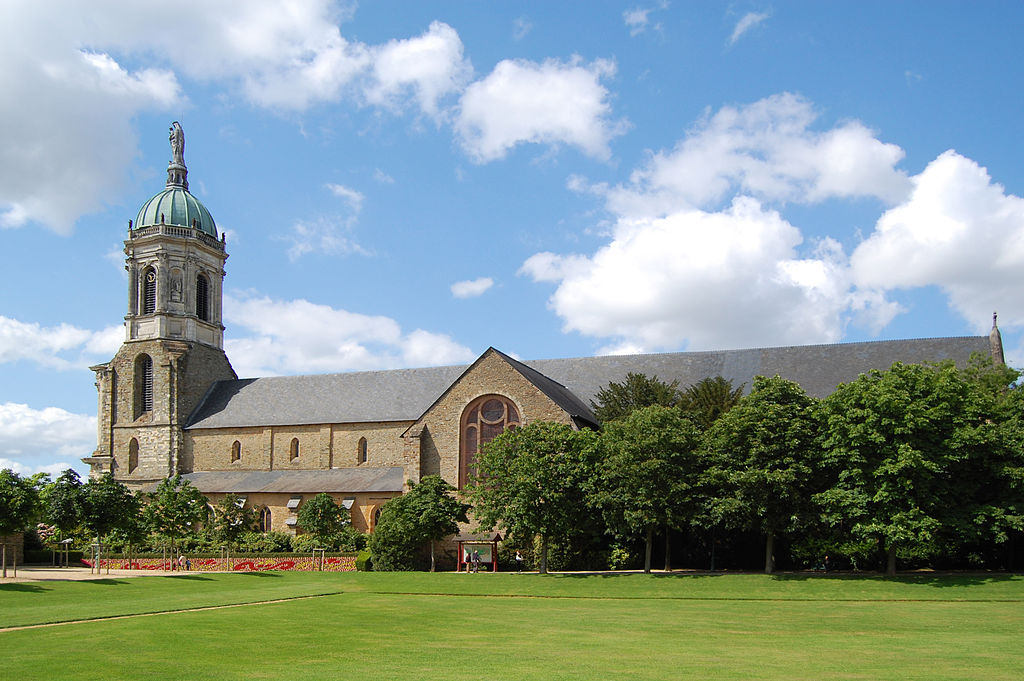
[[177, 173]]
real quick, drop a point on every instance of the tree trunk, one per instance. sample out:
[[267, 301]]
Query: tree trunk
[[432, 555], [543, 554], [890, 564], [4, 551], [647, 551], [769, 553], [712, 552], [668, 549]]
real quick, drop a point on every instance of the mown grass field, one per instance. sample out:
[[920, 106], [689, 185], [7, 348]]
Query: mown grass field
[[370, 626]]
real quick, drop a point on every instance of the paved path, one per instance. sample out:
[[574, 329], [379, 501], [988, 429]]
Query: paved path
[[46, 573]]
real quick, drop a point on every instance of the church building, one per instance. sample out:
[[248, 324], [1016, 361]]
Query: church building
[[170, 402]]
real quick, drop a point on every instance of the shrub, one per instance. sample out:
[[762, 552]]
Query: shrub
[[364, 562], [264, 542]]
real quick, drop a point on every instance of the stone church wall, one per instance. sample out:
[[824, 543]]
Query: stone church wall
[[492, 375]]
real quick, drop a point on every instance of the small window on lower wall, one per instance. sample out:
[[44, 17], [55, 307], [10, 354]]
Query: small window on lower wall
[[133, 455], [264, 519]]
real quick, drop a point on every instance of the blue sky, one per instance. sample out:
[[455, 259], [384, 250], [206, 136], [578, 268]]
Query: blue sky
[[406, 183]]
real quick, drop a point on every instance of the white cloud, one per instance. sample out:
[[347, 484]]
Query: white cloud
[[298, 336], [353, 197], [958, 230], [323, 236], [60, 347], [712, 280], [638, 19], [431, 66], [472, 288], [382, 177], [746, 23], [551, 103], [521, 27], [766, 149], [38, 437]]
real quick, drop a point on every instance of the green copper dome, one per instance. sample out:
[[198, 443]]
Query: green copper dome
[[176, 206]]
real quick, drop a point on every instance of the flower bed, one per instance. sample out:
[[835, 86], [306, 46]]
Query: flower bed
[[238, 564]]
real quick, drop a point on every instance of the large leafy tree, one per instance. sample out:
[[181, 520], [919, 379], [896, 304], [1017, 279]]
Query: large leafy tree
[[707, 399], [897, 443], [176, 509], [428, 512], [19, 501], [763, 451], [534, 480], [648, 476], [617, 400]]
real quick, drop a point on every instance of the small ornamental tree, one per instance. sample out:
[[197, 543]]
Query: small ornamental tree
[[618, 400], [65, 502], [231, 520], [648, 476], [176, 509], [428, 512], [395, 536], [706, 400], [323, 518], [108, 505], [535, 480], [19, 501]]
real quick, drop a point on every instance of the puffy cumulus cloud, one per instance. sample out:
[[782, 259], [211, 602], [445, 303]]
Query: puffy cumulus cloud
[[297, 336], [959, 231], [472, 288], [712, 280], [61, 347], [432, 66], [768, 150], [40, 439], [553, 102]]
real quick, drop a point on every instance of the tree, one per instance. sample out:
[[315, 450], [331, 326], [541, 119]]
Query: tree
[[534, 480], [648, 475], [231, 519], [636, 392], [176, 509], [707, 399], [436, 510], [108, 505], [19, 500], [428, 512], [762, 451], [896, 442], [321, 517], [65, 502]]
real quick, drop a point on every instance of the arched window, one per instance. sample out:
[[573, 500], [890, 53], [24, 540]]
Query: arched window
[[203, 298], [483, 420], [376, 515], [148, 291], [293, 450], [133, 455], [143, 385], [361, 455], [265, 519], [236, 451]]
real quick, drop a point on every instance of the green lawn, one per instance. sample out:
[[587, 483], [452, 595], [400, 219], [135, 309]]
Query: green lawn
[[507, 626]]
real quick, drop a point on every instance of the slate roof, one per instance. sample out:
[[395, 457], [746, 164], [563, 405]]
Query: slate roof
[[350, 480], [404, 394]]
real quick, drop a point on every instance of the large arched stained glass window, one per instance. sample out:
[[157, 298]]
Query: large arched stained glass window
[[483, 420]]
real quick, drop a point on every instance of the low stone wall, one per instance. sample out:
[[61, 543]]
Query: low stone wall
[[237, 564]]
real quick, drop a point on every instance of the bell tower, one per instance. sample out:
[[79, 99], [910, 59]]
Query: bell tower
[[174, 336]]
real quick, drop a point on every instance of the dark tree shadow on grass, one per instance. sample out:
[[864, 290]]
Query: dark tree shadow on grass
[[30, 587]]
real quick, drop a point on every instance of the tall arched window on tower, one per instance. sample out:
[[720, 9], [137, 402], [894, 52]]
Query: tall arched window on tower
[[203, 297], [148, 291], [143, 385], [133, 455], [483, 420]]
